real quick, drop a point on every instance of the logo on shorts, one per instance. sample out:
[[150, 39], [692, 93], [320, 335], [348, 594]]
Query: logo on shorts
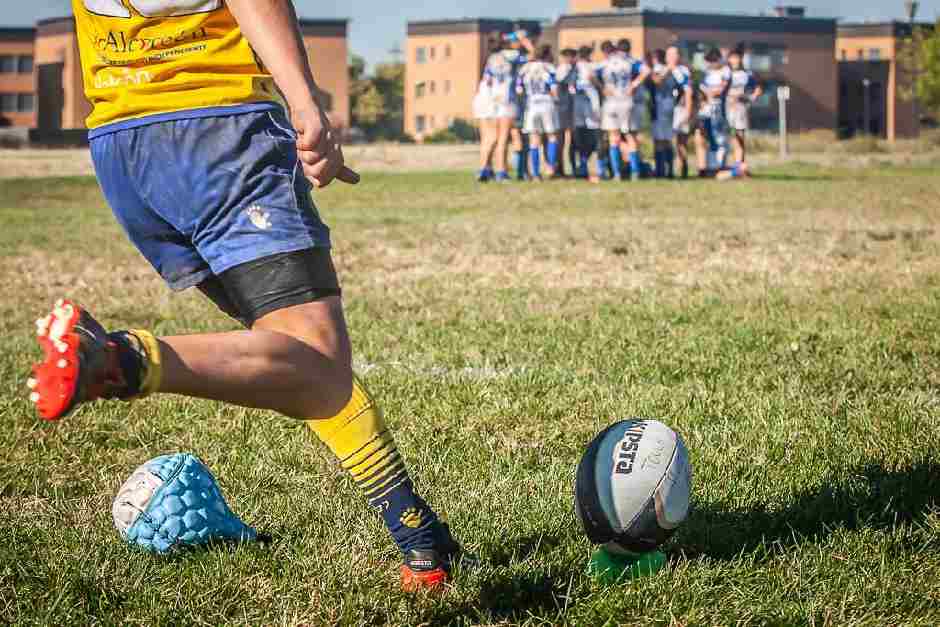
[[259, 217]]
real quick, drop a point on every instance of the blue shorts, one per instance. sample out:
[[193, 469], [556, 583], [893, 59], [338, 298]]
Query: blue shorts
[[199, 196]]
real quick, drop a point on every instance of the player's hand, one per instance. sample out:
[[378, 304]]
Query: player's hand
[[319, 148]]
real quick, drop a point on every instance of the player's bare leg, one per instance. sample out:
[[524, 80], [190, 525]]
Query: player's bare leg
[[501, 154], [682, 152]]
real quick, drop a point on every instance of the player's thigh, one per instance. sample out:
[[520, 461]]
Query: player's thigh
[[122, 162]]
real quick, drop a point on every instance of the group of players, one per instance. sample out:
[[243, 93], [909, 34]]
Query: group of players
[[580, 107]]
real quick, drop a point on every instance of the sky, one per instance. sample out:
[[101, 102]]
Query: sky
[[378, 26]]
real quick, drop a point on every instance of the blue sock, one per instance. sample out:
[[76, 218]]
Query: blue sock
[[583, 166], [635, 167], [520, 164], [553, 154], [670, 156], [616, 161], [535, 158], [602, 166]]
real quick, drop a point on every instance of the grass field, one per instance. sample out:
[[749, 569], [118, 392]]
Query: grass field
[[788, 327]]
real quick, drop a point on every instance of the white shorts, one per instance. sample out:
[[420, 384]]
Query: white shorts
[[681, 125], [663, 130], [503, 110], [738, 117], [483, 106], [586, 113], [541, 117], [621, 115]]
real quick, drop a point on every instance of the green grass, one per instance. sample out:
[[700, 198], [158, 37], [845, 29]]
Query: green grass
[[786, 326]]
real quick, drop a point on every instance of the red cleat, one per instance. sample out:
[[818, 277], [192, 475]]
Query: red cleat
[[80, 362]]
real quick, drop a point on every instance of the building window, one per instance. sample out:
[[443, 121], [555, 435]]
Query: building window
[[874, 54], [446, 87], [447, 51], [25, 103], [431, 53], [845, 54], [24, 64], [8, 103], [421, 55], [420, 124], [7, 64], [420, 89], [763, 57], [861, 54], [694, 52], [431, 87]]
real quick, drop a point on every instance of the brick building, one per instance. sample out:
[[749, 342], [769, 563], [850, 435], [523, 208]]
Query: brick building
[[784, 49], [41, 78], [873, 84]]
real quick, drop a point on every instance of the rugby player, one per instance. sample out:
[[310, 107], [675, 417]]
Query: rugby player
[[566, 74], [210, 176], [501, 70], [587, 107], [538, 85], [484, 110], [711, 131], [743, 91], [682, 116], [621, 76]]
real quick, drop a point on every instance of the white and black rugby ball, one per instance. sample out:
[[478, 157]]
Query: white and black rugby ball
[[633, 486]]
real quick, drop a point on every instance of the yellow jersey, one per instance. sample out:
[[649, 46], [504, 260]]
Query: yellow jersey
[[143, 58]]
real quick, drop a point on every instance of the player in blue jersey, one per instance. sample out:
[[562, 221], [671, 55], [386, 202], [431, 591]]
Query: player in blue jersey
[[566, 75], [743, 91], [484, 111], [501, 70], [682, 115], [711, 136], [621, 76], [537, 83], [587, 108], [663, 111]]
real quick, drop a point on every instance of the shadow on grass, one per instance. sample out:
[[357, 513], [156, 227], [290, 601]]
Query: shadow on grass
[[869, 497]]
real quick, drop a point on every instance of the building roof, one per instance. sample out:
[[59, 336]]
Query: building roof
[[17, 34], [55, 26], [893, 28], [324, 28], [712, 21], [470, 25]]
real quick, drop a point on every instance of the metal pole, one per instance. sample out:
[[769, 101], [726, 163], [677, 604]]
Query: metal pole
[[867, 84], [784, 147]]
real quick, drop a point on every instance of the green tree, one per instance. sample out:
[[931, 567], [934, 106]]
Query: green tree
[[920, 61], [378, 101]]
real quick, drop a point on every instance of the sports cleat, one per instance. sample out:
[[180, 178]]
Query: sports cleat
[[429, 569], [80, 364]]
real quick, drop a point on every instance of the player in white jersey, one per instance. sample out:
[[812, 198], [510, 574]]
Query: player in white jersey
[[501, 70], [484, 110], [711, 136], [682, 114], [536, 81], [587, 113], [566, 75], [621, 76], [664, 106], [743, 91]]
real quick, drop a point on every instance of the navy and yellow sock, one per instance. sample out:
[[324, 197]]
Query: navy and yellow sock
[[360, 439]]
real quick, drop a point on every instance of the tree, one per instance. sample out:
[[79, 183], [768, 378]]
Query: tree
[[378, 101], [920, 59]]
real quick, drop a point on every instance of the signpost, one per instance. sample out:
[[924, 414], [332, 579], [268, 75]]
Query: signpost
[[783, 97]]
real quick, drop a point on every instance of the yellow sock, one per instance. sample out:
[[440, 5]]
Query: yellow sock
[[362, 442], [154, 370]]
